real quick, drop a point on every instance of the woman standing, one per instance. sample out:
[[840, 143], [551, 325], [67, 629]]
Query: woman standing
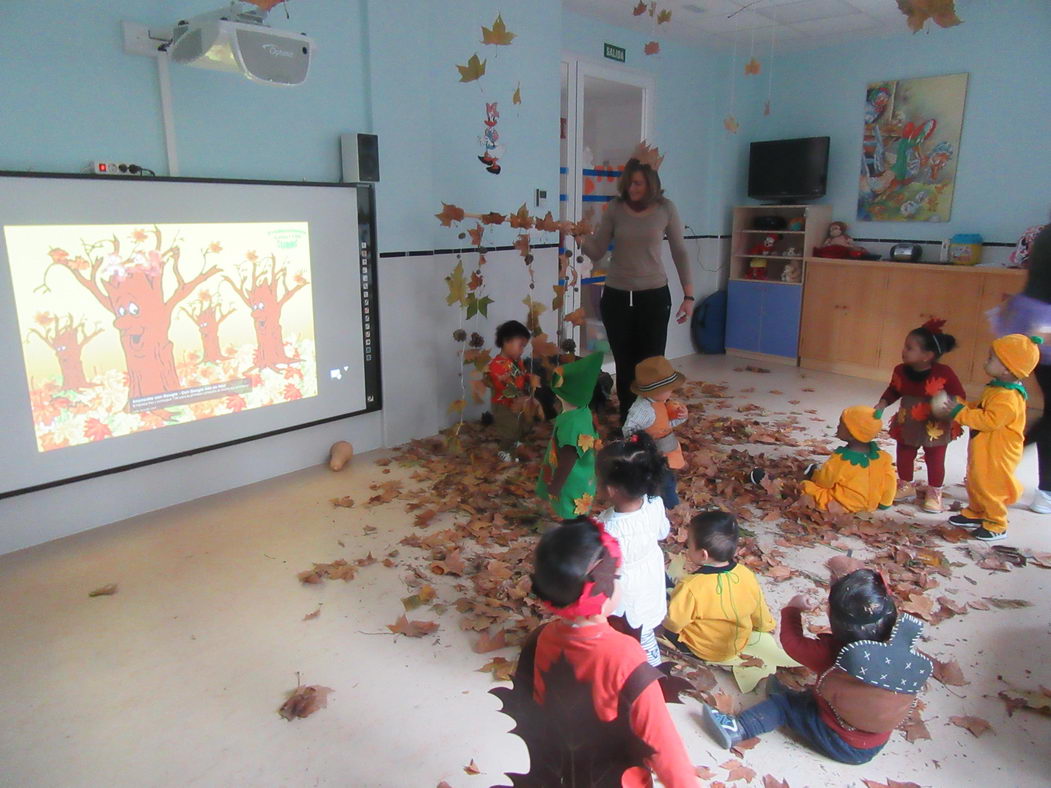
[[1029, 313], [636, 301]]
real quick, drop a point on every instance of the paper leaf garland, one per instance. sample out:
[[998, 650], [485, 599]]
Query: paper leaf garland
[[457, 286], [474, 69], [521, 219], [498, 34], [516, 97], [652, 48], [478, 306], [752, 67], [731, 124], [664, 15], [639, 9], [449, 214]]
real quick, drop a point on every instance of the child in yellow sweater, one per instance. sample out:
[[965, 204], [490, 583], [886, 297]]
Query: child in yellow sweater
[[858, 476], [718, 613], [997, 422]]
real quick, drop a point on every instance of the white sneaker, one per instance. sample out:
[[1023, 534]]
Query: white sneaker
[[1041, 502]]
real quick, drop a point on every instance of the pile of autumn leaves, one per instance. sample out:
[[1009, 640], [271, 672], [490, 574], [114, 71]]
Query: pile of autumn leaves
[[477, 522]]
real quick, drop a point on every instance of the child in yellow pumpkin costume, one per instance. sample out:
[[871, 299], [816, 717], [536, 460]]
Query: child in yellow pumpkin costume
[[997, 422], [858, 476]]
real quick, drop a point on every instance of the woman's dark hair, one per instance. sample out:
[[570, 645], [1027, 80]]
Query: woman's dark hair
[[937, 343], [716, 532], [654, 192], [512, 329], [635, 465], [860, 608], [562, 560]]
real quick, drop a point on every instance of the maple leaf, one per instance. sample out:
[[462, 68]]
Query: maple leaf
[[312, 616], [452, 564], [652, 48], [542, 348], [724, 703], [476, 235], [547, 224], [516, 97], [474, 69], [345, 502], [752, 67], [737, 771], [492, 218], [920, 411], [1026, 699], [730, 124], [639, 9], [941, 12], [457, 286], [449, 214], [487, 643], [703, 772], [521, 219], [304, 701], [664, 15], [425, 595], [769, 781], [934, 431], [976, 725], [582, 505], [412, 629], [915, 728], [522, 244], [498, 34], [107, 590], [576, 317], [586, 442], [501, 668]]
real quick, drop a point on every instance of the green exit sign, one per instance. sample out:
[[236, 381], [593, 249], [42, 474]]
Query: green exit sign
[[614, 52]]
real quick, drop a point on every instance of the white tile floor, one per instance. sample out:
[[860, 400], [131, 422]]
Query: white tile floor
[[175, 679]]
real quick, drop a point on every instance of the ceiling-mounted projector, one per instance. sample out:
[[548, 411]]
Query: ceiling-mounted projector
[[242, 43]]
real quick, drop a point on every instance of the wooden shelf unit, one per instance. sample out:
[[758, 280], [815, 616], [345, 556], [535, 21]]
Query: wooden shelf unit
[[744, 235]]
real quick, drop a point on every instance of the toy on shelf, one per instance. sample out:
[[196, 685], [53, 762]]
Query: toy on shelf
[[766, 246], [791, 252], [839, 245], [837, 235], [792, 272], [796, 223], [757, 268]]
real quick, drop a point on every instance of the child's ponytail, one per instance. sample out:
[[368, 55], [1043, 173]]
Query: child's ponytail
[[634, 464]]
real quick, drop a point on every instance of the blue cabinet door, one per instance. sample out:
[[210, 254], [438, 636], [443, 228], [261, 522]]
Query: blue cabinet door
[[779, 328], [744, 307]]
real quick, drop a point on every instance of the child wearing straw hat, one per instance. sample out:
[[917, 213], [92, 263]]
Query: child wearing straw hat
[[858, 476], [997, 422], [655, 413]]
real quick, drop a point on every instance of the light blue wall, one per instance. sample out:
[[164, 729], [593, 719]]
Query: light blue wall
[[1004, 171], [691, 94]]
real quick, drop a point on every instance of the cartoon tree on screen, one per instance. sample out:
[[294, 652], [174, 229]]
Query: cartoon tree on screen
[[207, 313], [266, 296], [131, 287], [67, 337]]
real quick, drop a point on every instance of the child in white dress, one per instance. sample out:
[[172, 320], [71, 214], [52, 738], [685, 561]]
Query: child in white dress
[[629, 475]]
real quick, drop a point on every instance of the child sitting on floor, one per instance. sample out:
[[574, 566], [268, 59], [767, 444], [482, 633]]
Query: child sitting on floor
[[858, 476], [914, 381], [585, 701], [629, 475], [718, 613], [868, 673], [510, 384], [567, 474], [997, 422], [654, 412]]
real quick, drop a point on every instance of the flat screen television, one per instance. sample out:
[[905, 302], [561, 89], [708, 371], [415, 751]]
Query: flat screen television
[[787, 171]]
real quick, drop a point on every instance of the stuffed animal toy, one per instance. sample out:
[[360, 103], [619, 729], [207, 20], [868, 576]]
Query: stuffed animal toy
[[796, 223], [766, 246], [792, 272]]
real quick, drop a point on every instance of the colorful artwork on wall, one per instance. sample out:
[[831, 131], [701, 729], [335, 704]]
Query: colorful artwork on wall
[[909, 150]]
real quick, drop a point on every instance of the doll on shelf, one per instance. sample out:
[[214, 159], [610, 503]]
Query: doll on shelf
[[837, 235], [766, 246]]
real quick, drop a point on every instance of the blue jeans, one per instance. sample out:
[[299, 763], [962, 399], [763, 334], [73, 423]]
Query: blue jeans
[[799, 711], [668, 493]]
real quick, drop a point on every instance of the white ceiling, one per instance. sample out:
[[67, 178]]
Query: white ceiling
[[793, 24]]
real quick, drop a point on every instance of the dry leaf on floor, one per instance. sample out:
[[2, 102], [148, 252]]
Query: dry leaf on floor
[[312, 616], [472, 768], [915, 728], [106, 590], [739, 748], [948, 673], [769, 781], [485, 643], [976, 725], [412, 629], [737, 771], [444, 784], [703, 678], [889, 784], [304, 701], [501, 668], [425, 595], [703, 772], [1007, 604], [724, 703], [1027, 699], [346, 502]]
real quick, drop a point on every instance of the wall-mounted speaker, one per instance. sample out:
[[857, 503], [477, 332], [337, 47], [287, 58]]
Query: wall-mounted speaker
[[361, 158]]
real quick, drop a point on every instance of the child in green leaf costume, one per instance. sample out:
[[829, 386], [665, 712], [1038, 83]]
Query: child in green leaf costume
[[567, 473]]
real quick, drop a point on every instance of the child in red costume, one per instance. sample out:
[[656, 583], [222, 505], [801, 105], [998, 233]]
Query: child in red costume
[[918, 378], [605, 705], [511, 386]]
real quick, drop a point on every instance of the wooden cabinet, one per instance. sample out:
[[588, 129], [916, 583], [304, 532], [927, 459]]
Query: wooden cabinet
[[841, 317], [856, 314]]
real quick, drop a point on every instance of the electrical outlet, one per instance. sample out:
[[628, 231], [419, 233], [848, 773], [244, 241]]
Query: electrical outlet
[[99, 167]]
